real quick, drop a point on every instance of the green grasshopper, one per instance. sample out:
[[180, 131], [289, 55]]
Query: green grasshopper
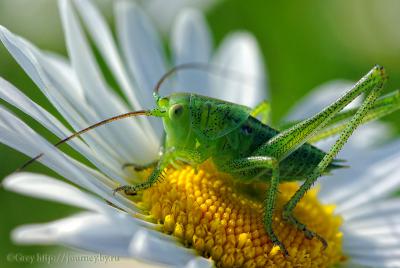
[[198, 128]]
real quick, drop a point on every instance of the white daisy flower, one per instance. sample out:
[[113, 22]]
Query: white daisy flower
[[188, 220]]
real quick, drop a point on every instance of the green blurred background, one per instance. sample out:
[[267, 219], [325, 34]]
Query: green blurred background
[[305, 43]]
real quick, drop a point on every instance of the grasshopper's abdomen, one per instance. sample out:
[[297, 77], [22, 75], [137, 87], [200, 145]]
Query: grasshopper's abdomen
[[245, 140]]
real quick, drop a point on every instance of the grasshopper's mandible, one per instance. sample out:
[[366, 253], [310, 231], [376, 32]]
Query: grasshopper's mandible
[[198, 128]]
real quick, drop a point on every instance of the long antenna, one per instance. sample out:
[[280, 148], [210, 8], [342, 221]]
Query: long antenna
[[202, 66], [206, 67], [76, 134]]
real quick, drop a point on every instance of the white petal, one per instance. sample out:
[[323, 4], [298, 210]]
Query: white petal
[[239, 53], [146, 246], [382, 219], [45, 187], [191, 42], [371, 171], [377, 210], [25, 55], [370, 251], [385, 229], [57, 82], [350, 264], [64, 73], [142, 50], [15, 97], [88, 231], [85, 66], [103, 100], [354, 241], [373, 232], [200, 262], [101, 34], [374, 262], [19, 136], [16, 134], [80, 114], [380, 179]]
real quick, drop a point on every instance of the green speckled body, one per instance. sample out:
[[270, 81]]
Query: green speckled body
[[225, 131], [199, 128], [248, 137]]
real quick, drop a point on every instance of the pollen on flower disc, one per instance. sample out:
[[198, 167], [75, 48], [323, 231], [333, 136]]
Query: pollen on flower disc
[[206, 210]]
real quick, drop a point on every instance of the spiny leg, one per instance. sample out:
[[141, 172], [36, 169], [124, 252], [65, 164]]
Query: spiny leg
[[383, 106], [168, 157], [157, 172], [151, 180], [355, 121], [286, 142], [263, 109], [262, 162]]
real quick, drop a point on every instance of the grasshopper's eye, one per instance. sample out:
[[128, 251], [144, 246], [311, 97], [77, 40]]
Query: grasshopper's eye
[[175, 111]]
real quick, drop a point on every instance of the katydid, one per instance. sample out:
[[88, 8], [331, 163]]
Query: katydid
[[198, 128]]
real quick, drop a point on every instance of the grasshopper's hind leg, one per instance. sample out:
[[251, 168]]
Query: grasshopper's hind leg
[[355, 121], [268, 163], [285, 143]]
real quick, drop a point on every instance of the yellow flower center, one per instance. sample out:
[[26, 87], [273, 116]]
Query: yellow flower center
[[222, 220]]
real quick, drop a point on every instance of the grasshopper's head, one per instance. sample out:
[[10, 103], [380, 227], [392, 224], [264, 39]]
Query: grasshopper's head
[[189, 116], [176, 118]]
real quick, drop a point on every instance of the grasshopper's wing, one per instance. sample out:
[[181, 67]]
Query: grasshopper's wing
[[213, 118], [383, 106]]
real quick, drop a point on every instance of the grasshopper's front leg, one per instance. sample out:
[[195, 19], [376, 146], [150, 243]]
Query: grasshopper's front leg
[[168, 156], [151, 180], [267, 163]]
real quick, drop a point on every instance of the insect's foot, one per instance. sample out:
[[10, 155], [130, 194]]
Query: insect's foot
[[128, 190], [302, 227], [277, 242], [310, 235], [282, 248], [322, 240]]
